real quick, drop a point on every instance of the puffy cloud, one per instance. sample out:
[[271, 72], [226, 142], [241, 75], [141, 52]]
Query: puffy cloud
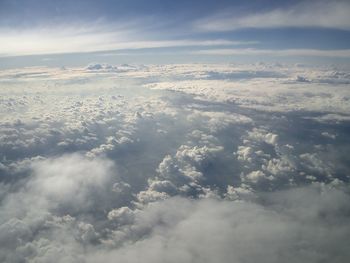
[[97, 66], [289, 228], [262, 135], [122, 215], [244, 153], [66, 185], [283, 93], [329, 135], [217, 121], [73, 183], [277, 166], [255, 176], [241, 163]]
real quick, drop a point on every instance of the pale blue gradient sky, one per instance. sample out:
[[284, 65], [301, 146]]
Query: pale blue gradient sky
[[38, 32]]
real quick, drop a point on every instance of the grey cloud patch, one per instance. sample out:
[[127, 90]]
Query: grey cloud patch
[[97, 67], [207, 230], [296, 225]]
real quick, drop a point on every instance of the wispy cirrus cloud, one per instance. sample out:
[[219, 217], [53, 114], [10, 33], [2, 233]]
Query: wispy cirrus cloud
[[345, 53], [321, 14], [91, 38]]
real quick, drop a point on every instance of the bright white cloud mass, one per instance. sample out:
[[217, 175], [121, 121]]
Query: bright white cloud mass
[[204, 132], [175, 163]]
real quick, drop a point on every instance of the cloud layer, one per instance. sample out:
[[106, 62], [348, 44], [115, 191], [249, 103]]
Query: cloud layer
[[320, 14], [174, 163]]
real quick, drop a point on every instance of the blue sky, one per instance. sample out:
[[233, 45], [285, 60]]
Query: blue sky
[[70, 32], [220, 158]]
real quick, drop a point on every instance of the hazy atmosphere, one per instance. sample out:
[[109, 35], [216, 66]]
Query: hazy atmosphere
[[174, 131]]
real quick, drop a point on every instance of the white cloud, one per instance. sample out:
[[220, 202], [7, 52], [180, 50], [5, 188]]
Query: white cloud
[[122, 215], [92, 38], [110, 161], [262, 135], [68, 184], [280, 92], [329, 135], [64, 183], [217, 121], [287, 229], [255, 176], [244, 153], [337, 53], [331, 118], [322, 14]]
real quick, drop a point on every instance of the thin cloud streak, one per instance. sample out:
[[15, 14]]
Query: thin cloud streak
[[97, 38], [285, 52], [318, 14]]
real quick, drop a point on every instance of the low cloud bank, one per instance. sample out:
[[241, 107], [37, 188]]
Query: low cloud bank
[[174, 163]]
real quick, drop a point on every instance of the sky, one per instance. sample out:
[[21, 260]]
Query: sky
[[73, 32], [174, 131]]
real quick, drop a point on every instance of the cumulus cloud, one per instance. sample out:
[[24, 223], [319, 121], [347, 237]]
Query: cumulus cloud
[[165, 163], [283, 93], [295, 225], [209, 230]]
